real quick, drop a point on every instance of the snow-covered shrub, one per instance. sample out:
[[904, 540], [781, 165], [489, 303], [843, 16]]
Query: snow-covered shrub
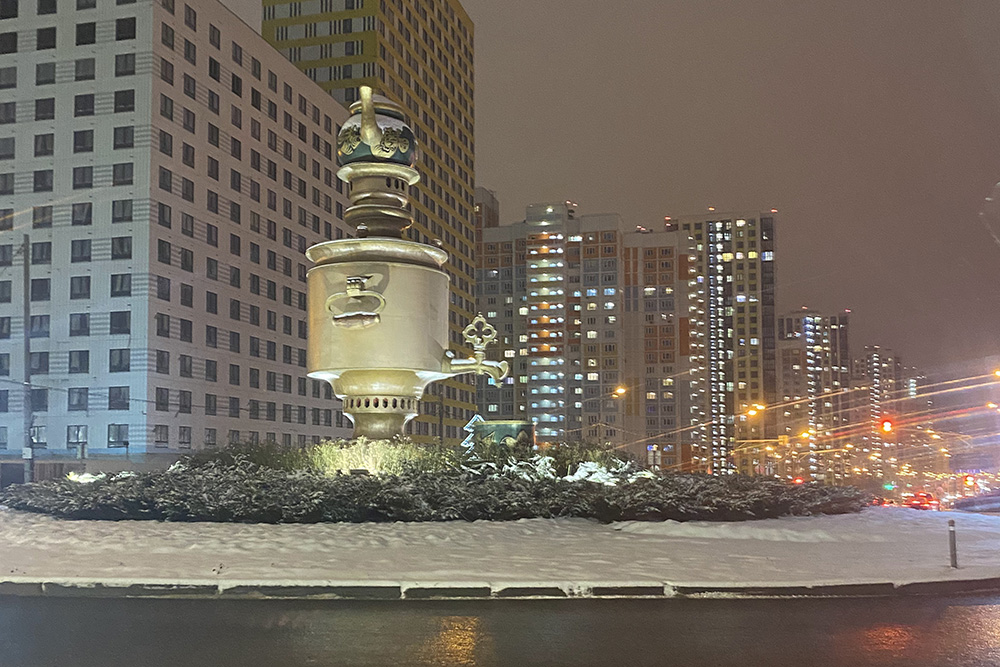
[[242, 490]]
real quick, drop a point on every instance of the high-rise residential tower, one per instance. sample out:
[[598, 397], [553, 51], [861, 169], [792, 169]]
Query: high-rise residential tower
[[815, 394], [880, 371], [732, 321], [487, 209], [593, 317], [168, 169], [419, 53]]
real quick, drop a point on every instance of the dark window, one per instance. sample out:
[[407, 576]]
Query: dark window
[[167, 71], [86, 33], [121, 284], [8, 77], [124, 137], [166, 107], [38, 326], [45, 39], [43, 180], [124, 100], [83, 105], [85, 69], [120, 360], [40, 289], [78, 398], [83, 141], [121, 210], [162, 325], [166, 179], [164, 215], [125, 28], [83, 178], [82, 213], [45, 73], [8, 42], [41, 253], [79, 287], [125, 64], [121, 322], [118, 399], [79, 361], [121, 247], [45, 144], [40, 400], [163, 251], [163, 288], [80, 250], [45, 109], [38, 362], [122, 173], [79, 324]]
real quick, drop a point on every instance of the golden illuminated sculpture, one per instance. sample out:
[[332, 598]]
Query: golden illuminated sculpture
[[378, 304]]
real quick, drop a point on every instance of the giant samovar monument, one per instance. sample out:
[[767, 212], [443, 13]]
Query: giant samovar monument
[[378, 304]]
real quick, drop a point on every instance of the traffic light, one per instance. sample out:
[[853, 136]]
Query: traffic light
[[887, 426], [969, 480], [798, 480]]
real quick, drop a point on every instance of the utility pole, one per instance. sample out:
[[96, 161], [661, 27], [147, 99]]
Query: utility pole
[[28, 453]]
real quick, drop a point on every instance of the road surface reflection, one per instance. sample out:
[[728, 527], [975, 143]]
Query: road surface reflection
[[887, 632]]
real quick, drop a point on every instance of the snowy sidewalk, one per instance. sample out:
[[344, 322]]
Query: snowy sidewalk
[[879, 551]]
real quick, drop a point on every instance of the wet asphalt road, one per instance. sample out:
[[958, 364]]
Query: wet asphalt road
[[923, 632]]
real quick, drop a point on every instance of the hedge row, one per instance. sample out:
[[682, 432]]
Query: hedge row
[[239, 490]]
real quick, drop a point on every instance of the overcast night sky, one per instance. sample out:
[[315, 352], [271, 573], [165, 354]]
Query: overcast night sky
[[874, 128], [872, 125]]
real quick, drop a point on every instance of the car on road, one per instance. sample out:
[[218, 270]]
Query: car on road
[[923, 501]]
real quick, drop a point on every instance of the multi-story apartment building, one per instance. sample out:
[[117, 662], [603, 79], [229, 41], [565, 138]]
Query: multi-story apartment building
[[814, 390], [487, 210], [880, 372], [592, 315], [732, 322], [420, 55], [168, 169]]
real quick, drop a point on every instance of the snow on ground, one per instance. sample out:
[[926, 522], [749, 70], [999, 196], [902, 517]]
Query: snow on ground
[[882, 544]]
